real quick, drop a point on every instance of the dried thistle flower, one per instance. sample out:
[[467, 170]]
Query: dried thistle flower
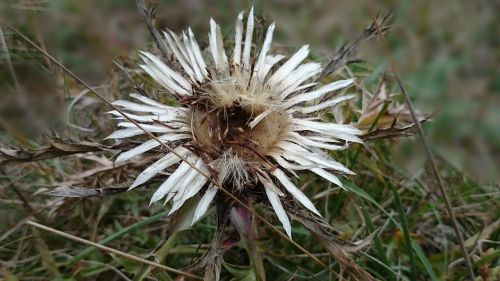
[[241, 118]]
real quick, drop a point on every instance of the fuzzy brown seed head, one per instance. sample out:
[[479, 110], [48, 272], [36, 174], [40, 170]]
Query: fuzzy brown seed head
[[222, 129], [222, 123], [240, 88]]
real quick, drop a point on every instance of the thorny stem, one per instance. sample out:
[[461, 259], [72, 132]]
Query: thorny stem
[[211, 261], [149, 17], [346, 54], [432, 160], [436, 174], [214, 254], [226, 192]]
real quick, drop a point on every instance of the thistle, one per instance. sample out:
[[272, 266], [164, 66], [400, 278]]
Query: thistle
[[229, 129], [243, 117]]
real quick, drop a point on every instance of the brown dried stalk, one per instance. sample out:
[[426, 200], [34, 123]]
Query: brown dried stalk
[[336, 246], [435, 172], [111, 250], [148, 13], [347, 53], [211, 261]]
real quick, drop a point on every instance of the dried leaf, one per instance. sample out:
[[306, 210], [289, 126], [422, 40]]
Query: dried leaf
[[386, 133], [56, 148], [381, 110], [84, 192]]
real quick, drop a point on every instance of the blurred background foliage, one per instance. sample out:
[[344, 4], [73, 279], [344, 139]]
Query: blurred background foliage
[[447, 53]]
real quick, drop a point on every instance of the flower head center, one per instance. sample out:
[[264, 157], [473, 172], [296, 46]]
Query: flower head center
[[221, 129]]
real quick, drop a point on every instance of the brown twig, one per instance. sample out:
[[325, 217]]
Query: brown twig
[[337, 247], [436, 175], [149, 16], [434, 169], [112, 250], [346, 53], [29, 209]]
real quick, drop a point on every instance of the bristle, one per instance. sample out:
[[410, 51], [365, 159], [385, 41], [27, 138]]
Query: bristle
[[232, 169]]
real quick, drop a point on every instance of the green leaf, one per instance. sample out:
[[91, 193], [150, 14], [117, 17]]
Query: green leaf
[[241, 272], [378, 246], [425, 261], [406, 233]]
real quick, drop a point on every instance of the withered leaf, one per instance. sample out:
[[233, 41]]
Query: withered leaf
[[381, 133], [78, 192], [56, 148]]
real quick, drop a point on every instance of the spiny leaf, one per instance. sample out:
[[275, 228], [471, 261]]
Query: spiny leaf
[[56, 148]]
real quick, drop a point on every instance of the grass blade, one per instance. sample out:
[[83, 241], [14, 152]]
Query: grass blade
[[425, 261], [406, 233], [378, 245], [117, 235], [111, 250], [361, 193]]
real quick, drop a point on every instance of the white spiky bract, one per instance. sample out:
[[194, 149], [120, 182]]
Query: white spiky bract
[[246, 121]]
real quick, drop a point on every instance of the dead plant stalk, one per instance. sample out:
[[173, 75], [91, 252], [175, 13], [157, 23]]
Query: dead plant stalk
[[432, 160]]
